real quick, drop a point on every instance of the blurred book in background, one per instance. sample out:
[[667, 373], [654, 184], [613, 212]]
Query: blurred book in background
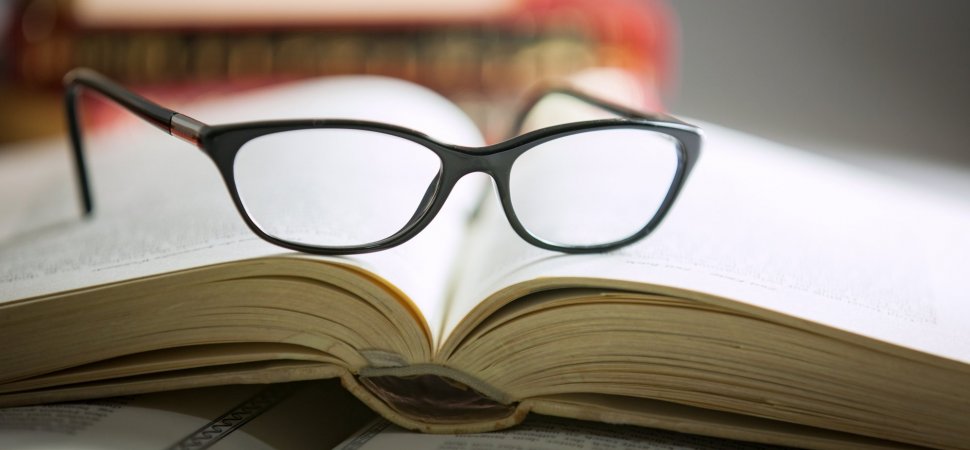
[[481, 54]]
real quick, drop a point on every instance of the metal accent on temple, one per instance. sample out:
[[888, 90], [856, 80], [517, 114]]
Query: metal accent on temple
[[186, 128]]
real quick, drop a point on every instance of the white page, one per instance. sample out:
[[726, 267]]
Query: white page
[[537, 433], [128, 422], [786, 231], [161, 205], [242, 417]]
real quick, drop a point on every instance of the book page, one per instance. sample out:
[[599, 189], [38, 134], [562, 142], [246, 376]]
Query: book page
[[254, 417], [538, 433], [161, 205], [781, 230]]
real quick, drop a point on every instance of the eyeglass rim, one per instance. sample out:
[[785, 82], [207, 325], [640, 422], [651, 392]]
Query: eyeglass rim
[[222, 142]]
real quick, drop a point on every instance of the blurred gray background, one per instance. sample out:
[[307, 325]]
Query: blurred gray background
[[881, 83]]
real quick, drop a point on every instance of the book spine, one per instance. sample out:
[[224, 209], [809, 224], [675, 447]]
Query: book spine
[[435, 399]]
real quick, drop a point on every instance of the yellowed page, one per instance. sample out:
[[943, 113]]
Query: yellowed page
[[161, 205], [781, 230]]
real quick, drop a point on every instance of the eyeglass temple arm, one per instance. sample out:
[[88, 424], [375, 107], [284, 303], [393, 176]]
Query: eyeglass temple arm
[[614, 108], [169, 121]]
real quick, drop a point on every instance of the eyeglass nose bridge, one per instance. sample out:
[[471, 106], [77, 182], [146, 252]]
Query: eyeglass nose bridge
[[494, 164], [459, 162]]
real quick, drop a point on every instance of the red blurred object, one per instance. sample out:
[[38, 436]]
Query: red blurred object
[[483, 55]]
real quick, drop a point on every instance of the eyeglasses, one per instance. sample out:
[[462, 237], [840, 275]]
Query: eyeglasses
[[337, 186]]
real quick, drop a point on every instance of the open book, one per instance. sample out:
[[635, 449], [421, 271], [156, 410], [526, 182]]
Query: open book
[[785, 299]]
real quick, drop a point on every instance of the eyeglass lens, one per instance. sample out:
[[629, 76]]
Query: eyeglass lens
[[346, 187], [593, 188], [333, 187]]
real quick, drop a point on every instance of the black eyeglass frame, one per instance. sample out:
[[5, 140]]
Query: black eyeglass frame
[[222, 142]]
